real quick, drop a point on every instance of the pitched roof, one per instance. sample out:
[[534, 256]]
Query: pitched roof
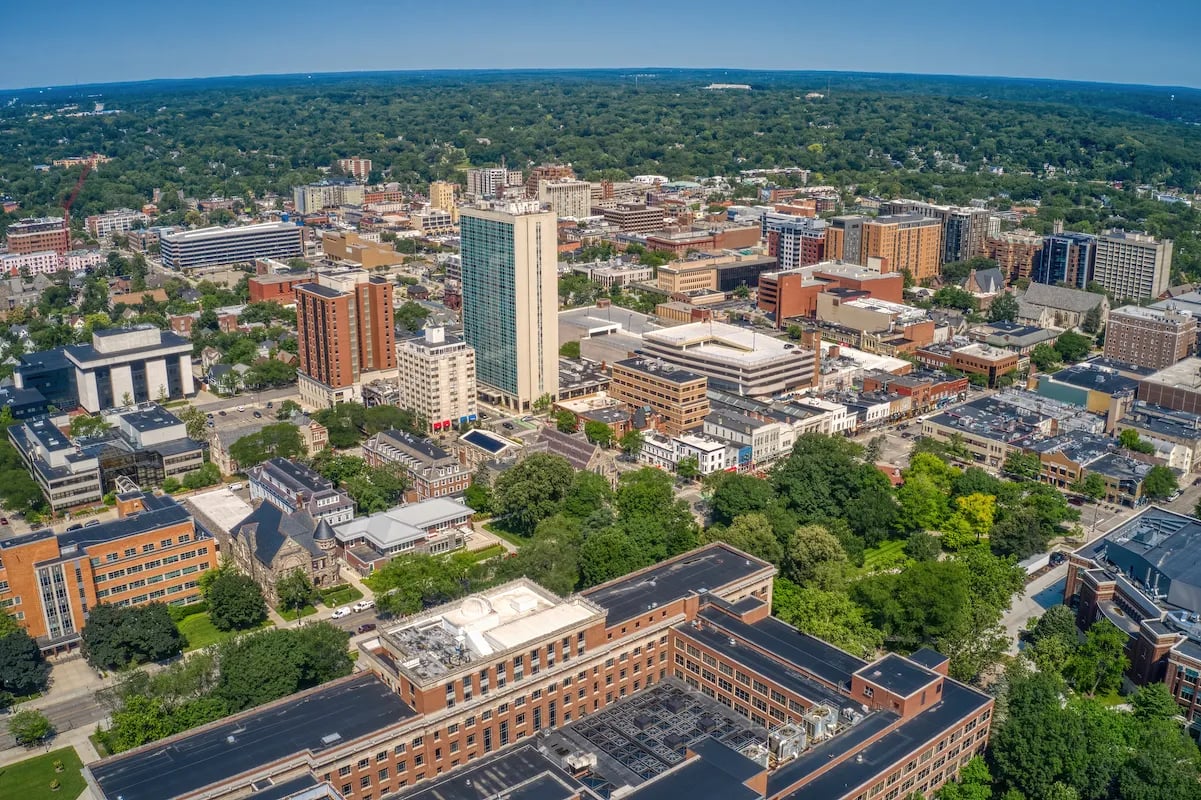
[[576, 449], [272, 528], [989, 281], [1061, 297]]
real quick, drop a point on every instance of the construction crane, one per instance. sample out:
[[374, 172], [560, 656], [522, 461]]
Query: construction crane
[[83, 176]]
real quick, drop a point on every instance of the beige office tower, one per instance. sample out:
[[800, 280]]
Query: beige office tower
[[567, 198], [510, 300], [437, 378], [1133, 266], [442, 196]]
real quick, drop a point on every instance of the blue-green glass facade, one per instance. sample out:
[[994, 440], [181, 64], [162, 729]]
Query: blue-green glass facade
[[489, 300]]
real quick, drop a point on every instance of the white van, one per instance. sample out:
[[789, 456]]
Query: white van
[[235, 487]]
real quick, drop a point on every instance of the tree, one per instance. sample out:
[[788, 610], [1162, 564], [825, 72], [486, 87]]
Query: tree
[[974, 783], [1004, 308], [23, 671], [1092, 320], [752, 533], [531, 491], [411, 316], [294, 590], [1097, 665], [1052, 639], [195, 422], [598, 432], [288, 409], [30, 727], [922, 546], [688, 468], [816, 558], [1130, 439], [955, 297], [1154, 703], [972, 520], [631, 443], [207, 475], [1091, 485], [570, 349], [589, 492], [236, 602], [830, 616], [280, 440], [325, 653], [735, 494], [608, 554], [259, 668], [116, 637], [269, 372], [1044, 357], [83, 426], [542, 404], [566, 421], [344, 422], [383, 418], [550, 558], [1073, 347], [1159, 483]]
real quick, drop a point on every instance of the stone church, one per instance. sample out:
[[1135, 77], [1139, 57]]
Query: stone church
[[271, 543]]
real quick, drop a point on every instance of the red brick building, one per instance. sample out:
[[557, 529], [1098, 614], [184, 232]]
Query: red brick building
[[276, 288], [686, 645]]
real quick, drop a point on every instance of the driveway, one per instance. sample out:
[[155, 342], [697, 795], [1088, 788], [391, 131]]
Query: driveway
[[1041, 593]]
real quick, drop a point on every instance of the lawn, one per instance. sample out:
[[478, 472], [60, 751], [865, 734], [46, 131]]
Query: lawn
[[291, 614], [340, 595], [491, 551], [495, 528], [199, 631], [886, 556], [30, 779]]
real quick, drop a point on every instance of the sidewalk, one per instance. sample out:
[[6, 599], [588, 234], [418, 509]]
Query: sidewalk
[[77, 738]]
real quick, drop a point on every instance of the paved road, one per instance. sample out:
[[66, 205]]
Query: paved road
[[207, 402], [78, 712], [1041, 593]]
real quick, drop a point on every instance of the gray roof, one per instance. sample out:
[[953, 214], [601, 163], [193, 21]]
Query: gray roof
[[273, 528], [1061, 297]]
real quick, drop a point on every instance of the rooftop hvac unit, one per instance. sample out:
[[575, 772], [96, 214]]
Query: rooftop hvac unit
[[787, 742], [820, 722], [579, 762]]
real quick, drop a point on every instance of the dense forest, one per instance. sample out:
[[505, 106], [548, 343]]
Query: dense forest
[[942, 138]]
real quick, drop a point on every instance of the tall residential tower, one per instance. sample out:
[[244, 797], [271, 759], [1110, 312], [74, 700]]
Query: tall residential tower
[[510, 300]]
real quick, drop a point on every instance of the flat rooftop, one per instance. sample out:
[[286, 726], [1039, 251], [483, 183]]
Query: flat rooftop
[[516, 773], [1184, 374], [659, 369], [1099, 379], [328, 716], [205, 234], [506, 617], [708, 569], [592, 321], [898, 675]]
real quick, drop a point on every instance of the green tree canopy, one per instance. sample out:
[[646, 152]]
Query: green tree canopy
[[236, 602]]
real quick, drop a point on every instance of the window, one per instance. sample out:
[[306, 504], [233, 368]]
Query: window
[[148, 548], [343, 771]]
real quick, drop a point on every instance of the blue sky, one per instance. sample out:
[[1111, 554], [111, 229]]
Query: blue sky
[[1121, 41]]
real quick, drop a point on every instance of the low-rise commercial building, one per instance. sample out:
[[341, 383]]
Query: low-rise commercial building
[[1175, 435], [677, 395], [634, 217], [737, 359], [277, 288], [1177, 387], [1099, 389], [667, 452], [219, 247], [350, 246], [153, 552], [990, 362]]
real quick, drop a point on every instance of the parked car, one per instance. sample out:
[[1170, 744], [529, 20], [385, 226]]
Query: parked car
[[258, 415], [270, 404], [91, 523], [222, 412], [3, 520], [344, 611], [235, 487], [1176, 495], [1058, 558], [366, 627], [77, 526], [507, 425], [241, 408], [363, 605]]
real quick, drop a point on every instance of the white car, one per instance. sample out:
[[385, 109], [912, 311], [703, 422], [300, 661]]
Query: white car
[[344, 611], [363, 605], [241, 408]]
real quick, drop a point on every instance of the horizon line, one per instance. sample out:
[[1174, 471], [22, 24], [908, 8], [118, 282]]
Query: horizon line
[[560, 70]]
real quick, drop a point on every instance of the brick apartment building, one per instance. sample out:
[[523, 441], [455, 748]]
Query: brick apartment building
[[794, 293], [686, 646], [1149, 337], [431, 471], [153, 552], [39, 235]]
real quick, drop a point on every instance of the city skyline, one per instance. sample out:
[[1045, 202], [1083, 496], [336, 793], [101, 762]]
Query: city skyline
[[143, 43]]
